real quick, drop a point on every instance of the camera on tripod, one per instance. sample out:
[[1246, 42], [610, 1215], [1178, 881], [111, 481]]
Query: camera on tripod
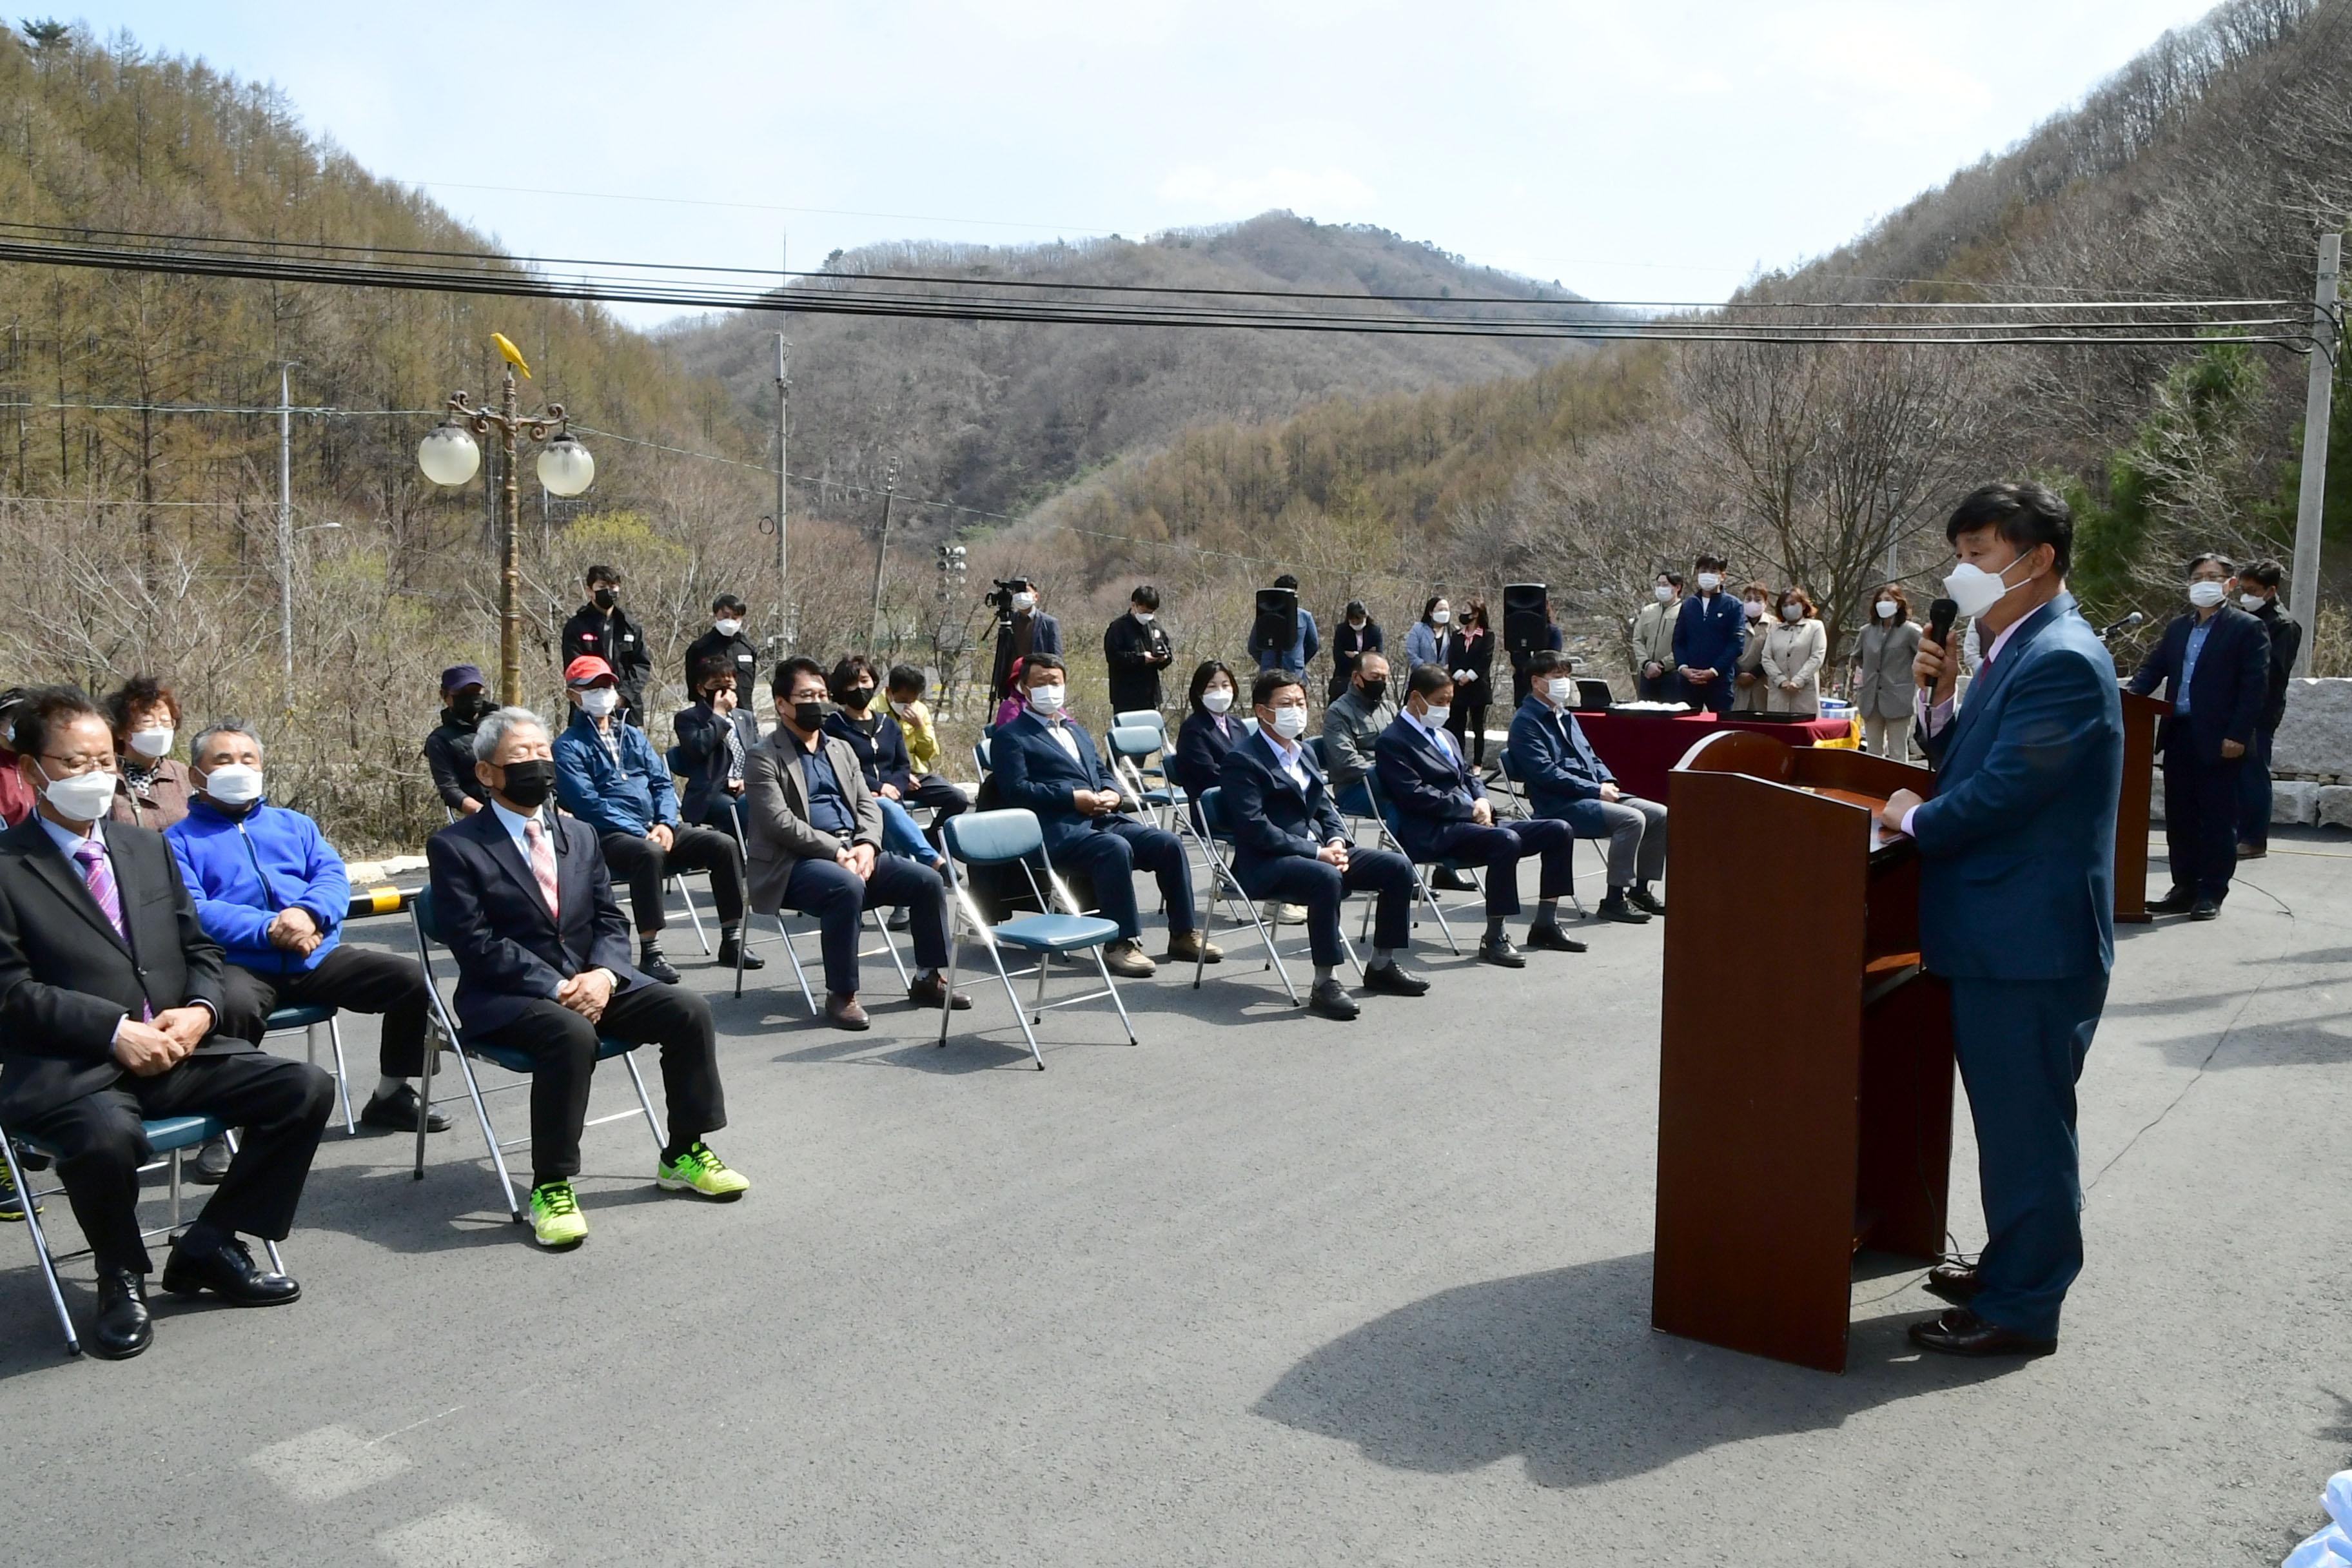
[[1000, 598]]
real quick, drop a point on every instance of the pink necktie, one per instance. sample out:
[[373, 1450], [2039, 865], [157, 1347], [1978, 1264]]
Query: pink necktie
[[543, 863], [100, 879]]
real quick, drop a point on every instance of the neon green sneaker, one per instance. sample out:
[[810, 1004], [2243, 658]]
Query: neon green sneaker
[[555, 1217], [12, 1204], [700, 1170]]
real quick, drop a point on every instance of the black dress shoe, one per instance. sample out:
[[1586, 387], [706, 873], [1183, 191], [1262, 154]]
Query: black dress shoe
[[1648, 902], [1615, 908], [2206, 909], [1447, 880], [210, 1167], [1498, 951], [1546, 934], [2179, 901], [1330, 999], [398, 1112], [1957, 1331], [2252, 851], [229, 1272], [1958, 1283], [728, 956], [1391, 980], [124, 1328], [655, 967], [932, 992]]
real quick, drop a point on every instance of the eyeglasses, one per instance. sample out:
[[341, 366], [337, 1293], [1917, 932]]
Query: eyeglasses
[[76, 766]]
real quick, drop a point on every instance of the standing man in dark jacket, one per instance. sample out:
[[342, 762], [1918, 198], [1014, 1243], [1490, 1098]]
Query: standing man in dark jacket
[[1136, 648], [1551, 639], [1708, 637], [600, 629], [2215, 663], [1024, 629], [449, 749], [725, 641], [2258, 587]]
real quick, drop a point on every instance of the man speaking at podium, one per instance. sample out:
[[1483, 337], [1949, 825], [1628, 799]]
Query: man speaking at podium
[[2016, 900]]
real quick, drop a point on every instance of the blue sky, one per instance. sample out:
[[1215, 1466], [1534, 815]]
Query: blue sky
[[1658, 151]]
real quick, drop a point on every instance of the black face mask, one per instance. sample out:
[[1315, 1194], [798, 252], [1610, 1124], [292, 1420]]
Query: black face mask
[[1375, 692], [528, 782], [607, 598], [471, 711], [808, 717], [858, 698]]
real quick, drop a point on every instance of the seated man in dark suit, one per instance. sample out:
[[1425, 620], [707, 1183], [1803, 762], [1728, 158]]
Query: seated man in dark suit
[[1290, 845], [1443, 813], [814, 834], [1566, 778], [715, 738], [1049, 765], [523, 895], [110, 993]]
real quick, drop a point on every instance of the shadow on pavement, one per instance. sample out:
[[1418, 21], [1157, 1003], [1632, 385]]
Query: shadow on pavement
[[1562, 1371]]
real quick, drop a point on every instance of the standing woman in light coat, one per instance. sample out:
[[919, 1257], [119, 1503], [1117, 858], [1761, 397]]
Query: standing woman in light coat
[[1794, 652], [1755, 605], [1881, 674]]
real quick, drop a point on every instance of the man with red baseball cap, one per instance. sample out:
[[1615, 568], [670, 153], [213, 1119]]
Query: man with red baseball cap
[[608, 776]]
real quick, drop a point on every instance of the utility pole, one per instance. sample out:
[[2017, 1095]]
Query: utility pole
[[286, 527], [882, 551], [783, 558], [2318, 410]]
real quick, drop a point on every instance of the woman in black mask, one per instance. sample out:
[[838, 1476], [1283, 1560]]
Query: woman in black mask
[[881, 751], [449, 749]]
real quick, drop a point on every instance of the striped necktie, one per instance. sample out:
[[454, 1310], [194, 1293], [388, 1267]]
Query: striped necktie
[[543, 863]]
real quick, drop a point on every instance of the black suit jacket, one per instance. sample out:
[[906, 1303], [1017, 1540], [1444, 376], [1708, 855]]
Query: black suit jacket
[[487, 905], [67, 979], [2225, 700]]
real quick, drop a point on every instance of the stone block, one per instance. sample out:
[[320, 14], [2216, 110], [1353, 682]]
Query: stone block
[[2315, 735], [2294, 802], [2335, 805]]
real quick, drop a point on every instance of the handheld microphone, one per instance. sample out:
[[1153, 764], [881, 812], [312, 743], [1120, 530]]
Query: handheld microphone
[[2122, 625], [1940, 615]]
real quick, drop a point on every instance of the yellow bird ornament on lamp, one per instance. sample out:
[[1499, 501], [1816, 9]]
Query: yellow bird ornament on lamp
[[510, 354]]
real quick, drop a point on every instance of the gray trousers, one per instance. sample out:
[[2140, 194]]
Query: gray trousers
[[1636, 830]]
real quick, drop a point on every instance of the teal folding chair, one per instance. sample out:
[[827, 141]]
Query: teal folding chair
[[980, 753], [1385, 814], [308, 1018], [1013, 836], [1224, 888], [1132, 747]]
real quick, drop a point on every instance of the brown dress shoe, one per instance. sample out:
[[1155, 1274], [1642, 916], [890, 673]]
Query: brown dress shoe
[[1958, 1330], [932, 991], [1958, 1283], [842, 1010], [1187, 947]]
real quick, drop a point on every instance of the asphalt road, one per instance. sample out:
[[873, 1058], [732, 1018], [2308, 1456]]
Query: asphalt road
[[1264, 1291]]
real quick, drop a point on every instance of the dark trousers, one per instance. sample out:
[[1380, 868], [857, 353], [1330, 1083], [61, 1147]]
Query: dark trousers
[[2254, 793], [1714, 694], [1500, 848], [2021, 1045], [280, 1105], [562, 1046], [832, 893], [1665, 686], [1300, 879], [2200, 817], [645, 866], [1111, 851], [350, 978], [933, 793], [1469, 727]]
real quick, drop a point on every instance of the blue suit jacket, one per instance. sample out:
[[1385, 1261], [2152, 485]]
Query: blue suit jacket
[[1199, 759], [1271, 818], [2017, 848], [1710, 632], [2225, 700], [1425, 788], [1561, 772], [508, 949], [1030, 769]]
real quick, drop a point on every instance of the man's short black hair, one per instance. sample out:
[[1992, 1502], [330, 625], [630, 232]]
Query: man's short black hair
[[1145, 595], [1546, 661], [1287, 580], [2263, 574], [1038, 661], [48, 709], [906, 677], [1268, 682], [726, 605], [603, 574], [1429, 679], [2024, 514], [791, 670], [709, 668], [1711, 563], [2229, 567]]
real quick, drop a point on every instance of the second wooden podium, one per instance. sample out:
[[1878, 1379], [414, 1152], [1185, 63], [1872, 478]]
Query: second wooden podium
[[1805, 1081]]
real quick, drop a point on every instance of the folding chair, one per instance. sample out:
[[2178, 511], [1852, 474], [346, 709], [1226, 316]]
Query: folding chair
[[286, 1020], [981, 750], [1385, 814], [994, 839], [519, 1062], [1527, 808], [784, 933], [170, 1137], [1129, 745]]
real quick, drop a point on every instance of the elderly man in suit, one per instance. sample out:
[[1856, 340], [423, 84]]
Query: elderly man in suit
[[1048, 765], [110, 995], [2215, 663], [813, 834], [1289, 844], [522, 894], [2017, 899], [1441, 813], [1565, 778]]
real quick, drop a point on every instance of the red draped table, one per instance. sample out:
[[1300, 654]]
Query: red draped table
[[1640, 749]]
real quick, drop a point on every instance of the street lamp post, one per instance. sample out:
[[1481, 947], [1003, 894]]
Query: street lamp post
[[449, 456]]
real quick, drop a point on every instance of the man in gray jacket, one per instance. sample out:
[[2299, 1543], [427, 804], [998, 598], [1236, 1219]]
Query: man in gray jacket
[[1351, 728], [814, 841]]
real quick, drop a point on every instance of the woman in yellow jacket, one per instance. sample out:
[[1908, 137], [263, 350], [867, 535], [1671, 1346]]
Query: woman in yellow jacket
[[1794, 652]]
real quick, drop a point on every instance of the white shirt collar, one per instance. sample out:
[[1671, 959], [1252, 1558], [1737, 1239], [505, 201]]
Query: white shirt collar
[[514, 822], [1286, 752]]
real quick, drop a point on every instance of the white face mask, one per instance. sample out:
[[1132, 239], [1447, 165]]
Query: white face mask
[[1439, 712], [1885, 608], [1560, 690], [1976, 590], [2206, 595], [1792, 612], [1708, 581], [152, 743], [1754, 609], [1290, 722], [1024, 601], [1440, 615], [726, 628], [2254, 601], [1047, 700], [1142, 617], [1217, 698], [598, 702], [234, 784], [83, 797], [1665, 591]]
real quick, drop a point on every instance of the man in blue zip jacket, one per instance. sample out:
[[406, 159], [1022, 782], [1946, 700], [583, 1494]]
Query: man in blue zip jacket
[[1708, 636], [273, 893], [607, 775]]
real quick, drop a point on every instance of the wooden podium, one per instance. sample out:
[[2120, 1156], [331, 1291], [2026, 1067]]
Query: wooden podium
[[2140, 717], [1805, 1079]]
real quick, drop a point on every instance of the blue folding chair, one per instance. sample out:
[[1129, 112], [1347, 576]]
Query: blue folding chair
[[1013, 836], [1225, 887], [308, 1018], [169, 1136], [519, 1062], [1385, 814], [1130, 745], [980, 751]]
